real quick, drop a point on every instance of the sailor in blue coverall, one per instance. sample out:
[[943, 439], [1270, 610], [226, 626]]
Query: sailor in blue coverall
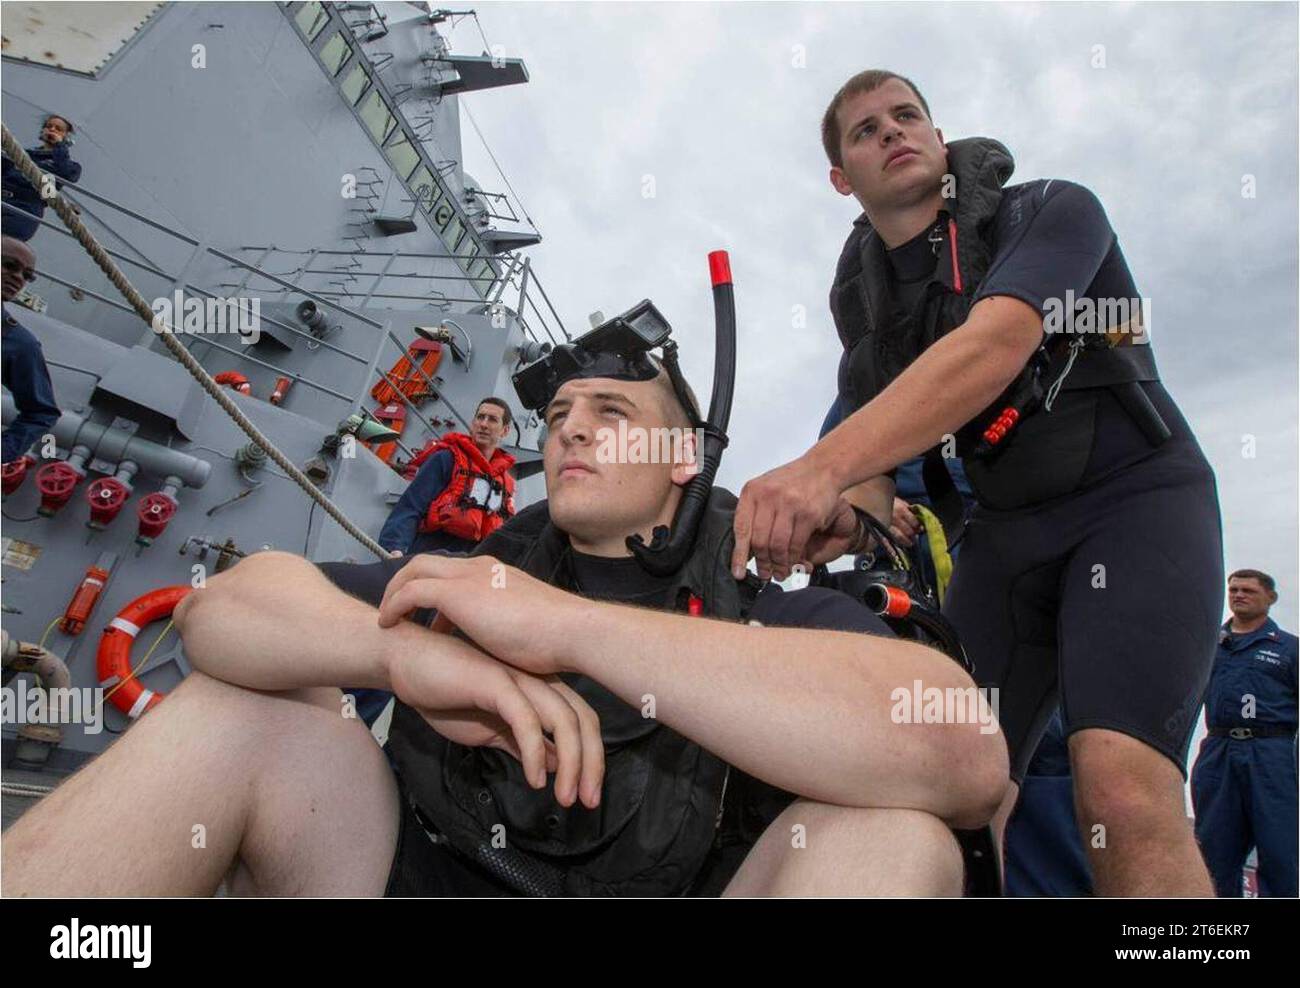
[[1244, 782], [51, 156]]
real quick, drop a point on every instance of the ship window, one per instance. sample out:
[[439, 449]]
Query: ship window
[[354, 85], [443, 213], [402, 155], [375, 114], [455, 230], [335, 54], [312, 19], [483, 276], [424, 188]]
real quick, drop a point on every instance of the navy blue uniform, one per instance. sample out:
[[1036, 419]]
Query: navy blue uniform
[[20, 193], [1244, 787], [423, 868], [28, 380], [1045, 856]]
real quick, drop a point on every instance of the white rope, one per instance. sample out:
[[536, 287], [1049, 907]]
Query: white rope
[[36, 177]]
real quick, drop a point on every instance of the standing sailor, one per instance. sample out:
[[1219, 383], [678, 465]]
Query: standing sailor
[[462, 490], [51, 155], [1002, 325], [1244, 782]]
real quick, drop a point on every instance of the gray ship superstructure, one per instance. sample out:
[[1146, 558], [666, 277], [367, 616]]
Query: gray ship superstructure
[[286, 179]]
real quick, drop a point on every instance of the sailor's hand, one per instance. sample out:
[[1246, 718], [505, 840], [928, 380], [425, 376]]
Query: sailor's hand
[[507, 613], [779, 515], [844, 534], [472, 699], [904, 525]]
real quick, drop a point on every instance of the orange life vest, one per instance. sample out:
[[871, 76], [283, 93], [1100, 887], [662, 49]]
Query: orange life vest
[[480, 495]]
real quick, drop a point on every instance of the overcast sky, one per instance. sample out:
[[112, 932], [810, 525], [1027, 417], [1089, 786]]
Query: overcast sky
[[1163, 110]]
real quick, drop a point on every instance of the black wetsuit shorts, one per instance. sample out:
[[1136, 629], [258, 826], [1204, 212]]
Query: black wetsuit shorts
[[1108, 599]]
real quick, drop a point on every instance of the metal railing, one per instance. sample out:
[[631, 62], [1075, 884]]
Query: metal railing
[[516, 273]]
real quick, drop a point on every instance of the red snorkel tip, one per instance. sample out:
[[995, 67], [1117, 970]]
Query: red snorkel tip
[[719, 268]]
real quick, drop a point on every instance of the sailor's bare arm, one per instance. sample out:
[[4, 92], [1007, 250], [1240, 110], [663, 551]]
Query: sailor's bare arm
[[939, 392], [274, 622], [808, 711]]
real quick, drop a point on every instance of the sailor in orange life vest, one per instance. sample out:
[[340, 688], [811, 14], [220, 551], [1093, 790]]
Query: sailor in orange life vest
[[461, 492]]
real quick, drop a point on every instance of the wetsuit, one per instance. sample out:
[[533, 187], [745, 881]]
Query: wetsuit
[[1091, 570], [423, 867]]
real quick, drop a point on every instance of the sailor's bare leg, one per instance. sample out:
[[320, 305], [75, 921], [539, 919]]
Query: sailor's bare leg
[[1132, 816], [817, 849], [299, 796]]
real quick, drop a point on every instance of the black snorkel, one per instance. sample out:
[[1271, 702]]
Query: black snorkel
[[619, 348], [668, 550]]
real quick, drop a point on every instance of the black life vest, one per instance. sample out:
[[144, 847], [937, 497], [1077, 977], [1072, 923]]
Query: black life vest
[[1046, 454], [662, 795]]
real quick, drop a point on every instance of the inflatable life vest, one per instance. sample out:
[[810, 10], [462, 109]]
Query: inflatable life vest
[[880, 341], [480, 495], [662, 796]]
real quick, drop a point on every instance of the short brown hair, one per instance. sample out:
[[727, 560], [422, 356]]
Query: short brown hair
[[1264, 579], [676, 409], [499, 403], [863, 82]]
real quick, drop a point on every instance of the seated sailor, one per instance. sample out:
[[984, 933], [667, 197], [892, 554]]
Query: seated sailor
[[583, 715]]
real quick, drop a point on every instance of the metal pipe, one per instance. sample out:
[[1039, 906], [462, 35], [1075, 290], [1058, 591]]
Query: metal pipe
[[51, 673], [146, 265], [115, 445], [122, 209]]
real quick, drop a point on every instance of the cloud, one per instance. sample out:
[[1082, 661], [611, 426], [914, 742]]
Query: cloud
[[720, 104]]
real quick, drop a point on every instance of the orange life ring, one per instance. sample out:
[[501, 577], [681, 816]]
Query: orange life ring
[[113, 662]]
